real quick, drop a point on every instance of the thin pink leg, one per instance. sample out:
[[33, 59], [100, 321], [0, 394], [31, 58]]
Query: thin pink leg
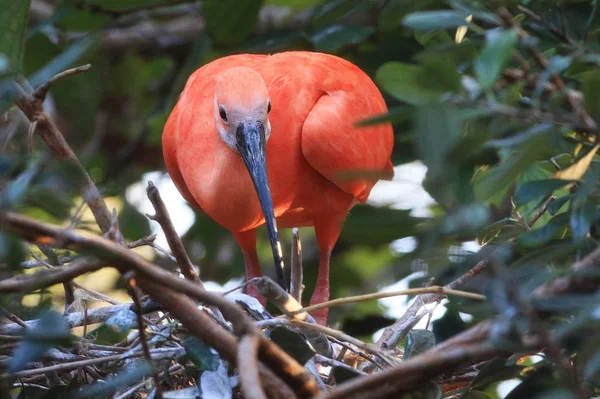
[[327, 230], [321, 292], [247, 241]]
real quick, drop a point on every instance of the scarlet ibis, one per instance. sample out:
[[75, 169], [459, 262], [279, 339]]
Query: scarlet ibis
[[273, 139]]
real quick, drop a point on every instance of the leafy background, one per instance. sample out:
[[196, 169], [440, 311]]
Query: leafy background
[[496, 147]]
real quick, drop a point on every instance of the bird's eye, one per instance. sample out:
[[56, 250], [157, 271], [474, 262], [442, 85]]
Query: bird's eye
[[269, 107], [223, 114]]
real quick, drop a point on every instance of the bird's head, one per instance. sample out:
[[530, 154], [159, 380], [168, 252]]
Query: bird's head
[[241, 102], [242, 106]]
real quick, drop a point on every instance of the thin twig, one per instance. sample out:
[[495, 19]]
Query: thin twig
[[12, 317], [248, 367], [42, 90], [380, 295], [542, 209], [88, 362], [135, 295], [394, 333]]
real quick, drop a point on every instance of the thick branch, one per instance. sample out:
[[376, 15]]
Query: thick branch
[[248, 367]]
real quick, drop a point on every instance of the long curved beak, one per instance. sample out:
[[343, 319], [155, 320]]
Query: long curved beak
[[251, 145]]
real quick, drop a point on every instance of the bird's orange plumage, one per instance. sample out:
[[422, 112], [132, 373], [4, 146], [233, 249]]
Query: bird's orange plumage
[[316, 101]]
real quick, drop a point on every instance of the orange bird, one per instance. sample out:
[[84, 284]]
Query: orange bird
[[272, 139]]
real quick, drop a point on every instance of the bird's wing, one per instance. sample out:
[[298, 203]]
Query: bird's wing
[[352, 157], [170, 145]]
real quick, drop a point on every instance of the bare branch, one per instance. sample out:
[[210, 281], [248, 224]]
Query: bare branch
[[394, 333], [248, 366], [42, 90], [177, 248]]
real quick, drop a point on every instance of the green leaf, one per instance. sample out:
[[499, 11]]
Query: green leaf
[[558, 203], [13, 19], [292, 343], [12, 250], [497, 51], [537, 189], [417, 85], [566, 303], [437, 129], [334, 37], [125, 378], [62, 61], [331, 12], [70, 16], [582, 214], [538, 237], [592, 367], [51, 330], [203, 356], [418, 341], [295, 4], [497, 369], [391, 224], [230, 21], [343, 374], [448, 326], [468, 219], [395, 115], [123, 320], [434, 20], [591, 93], [537, 381], [132, 223]]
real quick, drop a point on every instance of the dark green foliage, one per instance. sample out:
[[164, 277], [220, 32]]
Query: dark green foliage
[[293, 343], [201, 354], [50, 331]]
